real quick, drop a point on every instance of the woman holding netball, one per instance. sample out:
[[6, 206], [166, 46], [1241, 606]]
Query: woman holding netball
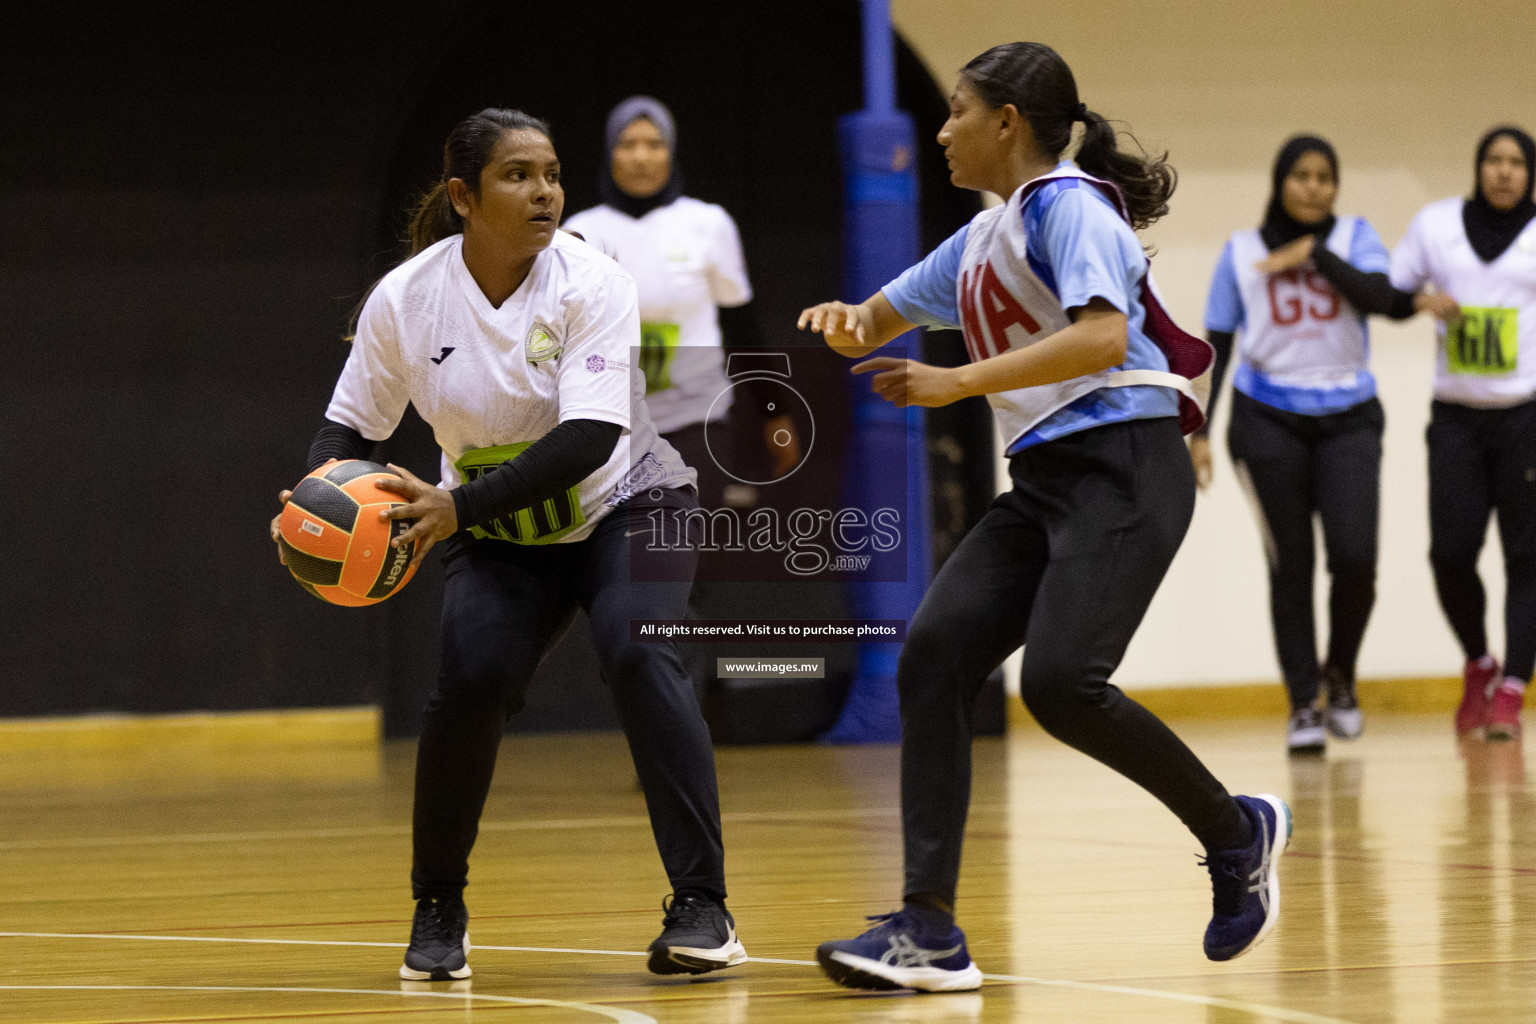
[[1482, 429], [1306, 424], [1089, 381], [513, 339]]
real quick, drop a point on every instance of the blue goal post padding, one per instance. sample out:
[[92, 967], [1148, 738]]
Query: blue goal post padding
[[880, 240]]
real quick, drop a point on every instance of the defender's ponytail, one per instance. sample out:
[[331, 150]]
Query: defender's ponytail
[[1035, 79]]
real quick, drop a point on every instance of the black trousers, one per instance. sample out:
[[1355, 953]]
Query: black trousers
[[1066, 564], [1298, 467], [504, 605], [1481, 460]]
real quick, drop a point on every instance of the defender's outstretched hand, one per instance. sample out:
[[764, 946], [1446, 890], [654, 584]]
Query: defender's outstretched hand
[[853, 331], [905, 382], [841, 325]]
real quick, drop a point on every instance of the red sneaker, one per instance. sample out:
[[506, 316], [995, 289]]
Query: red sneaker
[[1477, 694], [1504, 719]]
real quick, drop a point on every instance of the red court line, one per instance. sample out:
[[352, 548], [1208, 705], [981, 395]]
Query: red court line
[[314, 1014]]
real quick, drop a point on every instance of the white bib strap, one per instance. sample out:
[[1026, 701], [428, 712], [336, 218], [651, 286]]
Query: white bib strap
[[1161, 378]]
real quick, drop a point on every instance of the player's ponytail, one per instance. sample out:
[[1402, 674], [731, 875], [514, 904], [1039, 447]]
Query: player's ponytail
[[1035, 79], [469, 148]]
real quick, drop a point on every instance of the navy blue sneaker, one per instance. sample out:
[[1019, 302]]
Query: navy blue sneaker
[[897, 954], [1246, 883]]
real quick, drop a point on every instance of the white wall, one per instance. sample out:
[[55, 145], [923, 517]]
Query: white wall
[[1221, 85]]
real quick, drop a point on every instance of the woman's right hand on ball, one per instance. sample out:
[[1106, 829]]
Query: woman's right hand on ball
[[277, 532]]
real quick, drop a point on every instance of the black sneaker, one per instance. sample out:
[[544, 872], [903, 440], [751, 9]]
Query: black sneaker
[[698, 936], [439, 941]]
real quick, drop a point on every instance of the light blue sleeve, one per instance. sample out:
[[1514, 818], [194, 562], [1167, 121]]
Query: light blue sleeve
[[924, 294], [1367, 252], [1091, 251], [1224, 304]]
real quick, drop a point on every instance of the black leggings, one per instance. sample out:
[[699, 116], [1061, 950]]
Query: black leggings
[[504, 605], [1066, 564], [1297, 467], [1481, 460]]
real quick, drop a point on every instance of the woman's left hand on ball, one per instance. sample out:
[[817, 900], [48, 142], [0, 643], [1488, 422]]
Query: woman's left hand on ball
[[432, 507]]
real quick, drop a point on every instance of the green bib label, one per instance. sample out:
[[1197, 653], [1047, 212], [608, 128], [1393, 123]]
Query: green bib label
[[658, 345], [1486, 341], [543, 523]]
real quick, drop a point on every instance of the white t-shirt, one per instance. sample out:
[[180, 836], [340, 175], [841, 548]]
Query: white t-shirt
[[686, 258], [485, 377], [1488, 360]]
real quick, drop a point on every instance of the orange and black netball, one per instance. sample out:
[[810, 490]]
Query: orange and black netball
[[333, 540]]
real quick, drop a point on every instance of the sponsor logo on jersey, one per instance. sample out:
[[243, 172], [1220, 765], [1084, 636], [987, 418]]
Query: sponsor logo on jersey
[[597, 364], [447, 351], [541, 343]]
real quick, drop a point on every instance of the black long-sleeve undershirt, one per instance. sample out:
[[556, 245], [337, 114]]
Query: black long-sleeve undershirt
[[556, 462], [1221, 341], [337, 441], [1368, 293]]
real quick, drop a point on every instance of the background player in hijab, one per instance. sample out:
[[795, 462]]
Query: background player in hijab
[[695, 298], [512, 339], [686, 259], [1306, 424], [1481, 252], [1075, 355]]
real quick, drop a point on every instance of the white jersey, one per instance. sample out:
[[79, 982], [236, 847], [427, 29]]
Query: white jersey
[[686, 258], [1304, 348], [491, 381], [1488, 360]]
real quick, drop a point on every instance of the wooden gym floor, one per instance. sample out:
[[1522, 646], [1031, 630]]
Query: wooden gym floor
[[216, 882]]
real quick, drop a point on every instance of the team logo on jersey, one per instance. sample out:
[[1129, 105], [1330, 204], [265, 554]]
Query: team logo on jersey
[[541, 343]]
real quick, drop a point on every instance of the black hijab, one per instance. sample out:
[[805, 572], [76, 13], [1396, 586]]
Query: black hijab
[[1280, 227], [620, 118], [1491, 230]]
